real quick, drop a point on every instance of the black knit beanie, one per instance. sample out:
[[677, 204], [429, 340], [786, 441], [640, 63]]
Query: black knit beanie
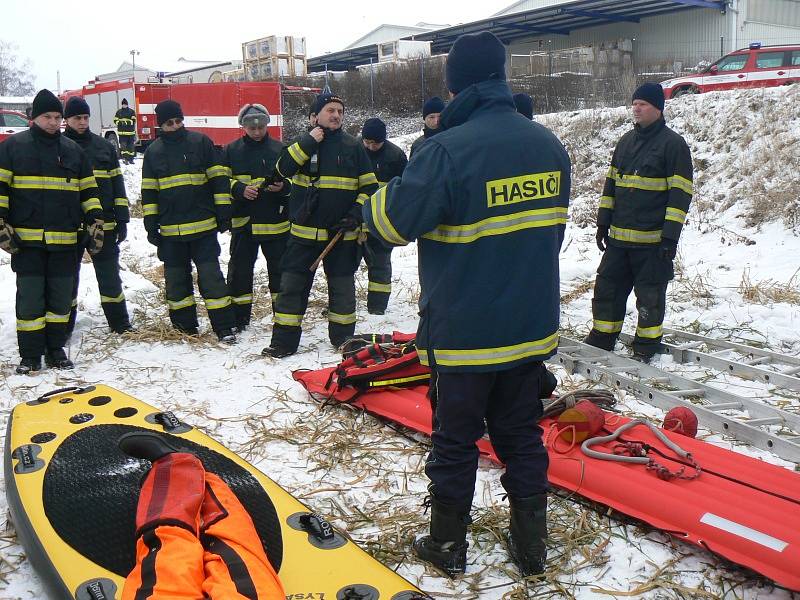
[[524, 104], [44, 102], [652, 93], [166, 110], [432, 105], [475, 57], [75, 106], [324, 99]]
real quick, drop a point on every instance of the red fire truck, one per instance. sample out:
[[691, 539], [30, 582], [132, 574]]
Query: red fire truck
[[210, 108]]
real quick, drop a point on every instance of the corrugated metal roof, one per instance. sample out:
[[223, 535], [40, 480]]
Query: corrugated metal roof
[[552, 20]]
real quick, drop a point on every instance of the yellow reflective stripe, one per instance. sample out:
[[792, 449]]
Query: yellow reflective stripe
[[127, 132], [270, 228], [318, 235], [29, 235], [237, 222], [179, 304], [399, 381], [501, 225], [91, 204], [650, 332], [216, 171], [676, 181], [297, 154], [384, 226], [30, 324], [341, 319], [288, 320], [650, 184], [362, 198], [612, 172], [301, 180], [6, 175], [221, 199], [382, 183], [121, 202], [102, 174], [25, 182], [4, 202], [607, 326], [114, 299], [367, 179], [150, 209], [87, 182], [115, 171], [217, 303], [379, 287], [166, 183], [246, 299], [607, 202], [189, 228], [328, 182], [492, 356], [54, 318], [60, 237], [109, 225], [675, 214], [634, 235], [149, 184]]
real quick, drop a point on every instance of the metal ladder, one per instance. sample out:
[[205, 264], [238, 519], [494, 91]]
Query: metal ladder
[[745, 362], [667, 390]]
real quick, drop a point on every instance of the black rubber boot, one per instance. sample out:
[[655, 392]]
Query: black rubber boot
[[277, 352], [446, 546], [146, 445], [29, 365], [226, 336], [57, 359], [528, 532]]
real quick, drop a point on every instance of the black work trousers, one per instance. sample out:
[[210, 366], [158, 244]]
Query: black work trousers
[[244, 252], [106, 269], [621, 270], [509, 404], [178, 256], [45, 281], [379, 274], [127, 147], [296, 280]]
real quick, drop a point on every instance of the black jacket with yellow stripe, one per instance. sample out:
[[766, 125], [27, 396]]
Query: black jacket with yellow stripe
[[344, 181], [103, 157], [125, 121], [47, 189], [250, 163], [388, 162], [185, 187], [648, 187]]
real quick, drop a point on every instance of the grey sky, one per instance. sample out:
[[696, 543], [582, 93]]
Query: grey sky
[[95, 37]]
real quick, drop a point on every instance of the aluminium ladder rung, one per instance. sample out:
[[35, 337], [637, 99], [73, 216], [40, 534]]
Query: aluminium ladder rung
[[725, 406], [765, 421]]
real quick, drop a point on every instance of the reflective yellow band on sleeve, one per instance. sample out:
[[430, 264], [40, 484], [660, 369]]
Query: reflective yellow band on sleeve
[[288, 320], [91, 204], [222, 199], [675, 214], [150, 209], [86, 183], [237, 222], [297, 154], [361, 199], [179, 304], [635, 236], [189, 228], [216, 171], [342, 319], [4, 202], [6, 176], [607, 326], [109, 225], [30, 324], [383, 225], [121, 202], [367, 179], [650, 332], [607, 202], [492, 356], [676, 181]]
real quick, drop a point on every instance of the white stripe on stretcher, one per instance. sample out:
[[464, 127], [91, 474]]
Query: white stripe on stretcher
[[743, 531]]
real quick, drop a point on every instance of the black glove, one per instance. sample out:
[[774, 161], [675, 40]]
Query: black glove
[[9, 240], [96, 237], [602, 237], [223, 225], [668, 249], [345, 224], [154, 237], [121, 231]]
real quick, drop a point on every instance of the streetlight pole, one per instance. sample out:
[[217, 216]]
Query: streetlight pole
[[134, 54]]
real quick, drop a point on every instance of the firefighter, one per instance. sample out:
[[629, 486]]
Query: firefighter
[[431, 110], [331, 179], [194, 538], [488, 208], [125, 122], [388, 161], [524, 105], [645, 199], [260, 212], [186, 200], [47, 191], [111, 184]]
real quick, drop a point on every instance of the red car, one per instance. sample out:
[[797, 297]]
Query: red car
[[755, 66], [11, 122]]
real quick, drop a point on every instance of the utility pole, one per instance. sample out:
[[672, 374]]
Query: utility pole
[[134, 54]]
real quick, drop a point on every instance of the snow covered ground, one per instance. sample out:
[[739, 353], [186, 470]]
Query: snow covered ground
[[733, 281]]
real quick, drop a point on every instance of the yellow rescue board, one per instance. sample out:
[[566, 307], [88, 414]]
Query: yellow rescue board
[[72, 495]]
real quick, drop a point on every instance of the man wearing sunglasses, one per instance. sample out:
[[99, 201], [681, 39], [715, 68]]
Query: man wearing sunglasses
[[185, 199]]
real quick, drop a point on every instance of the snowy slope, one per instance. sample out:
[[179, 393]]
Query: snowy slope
[[368, 478]]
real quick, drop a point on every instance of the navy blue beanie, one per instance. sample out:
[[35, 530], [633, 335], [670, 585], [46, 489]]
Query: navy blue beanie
[[374, 129], [524, 104], [166, 110], [44, 102], [652, 93], [475, 57], [324, 99], [432, 105], [75, 106]]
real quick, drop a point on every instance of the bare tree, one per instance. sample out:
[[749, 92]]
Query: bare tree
[[16, 79]]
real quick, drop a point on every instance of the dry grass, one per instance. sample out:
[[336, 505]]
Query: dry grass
[[579, 290], [768, 290]]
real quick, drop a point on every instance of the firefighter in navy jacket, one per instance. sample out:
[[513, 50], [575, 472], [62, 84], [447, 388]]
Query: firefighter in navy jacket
[[47, 192], [388, 161], [111, 184], [331, 179], [185, 200], [645, 199], [486, 200], [125, 122], [260, 212]]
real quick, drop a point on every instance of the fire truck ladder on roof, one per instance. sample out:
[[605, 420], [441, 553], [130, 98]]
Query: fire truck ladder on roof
[[746, 420]]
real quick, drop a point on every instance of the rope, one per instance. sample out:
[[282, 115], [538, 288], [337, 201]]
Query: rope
[[602, 398]]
